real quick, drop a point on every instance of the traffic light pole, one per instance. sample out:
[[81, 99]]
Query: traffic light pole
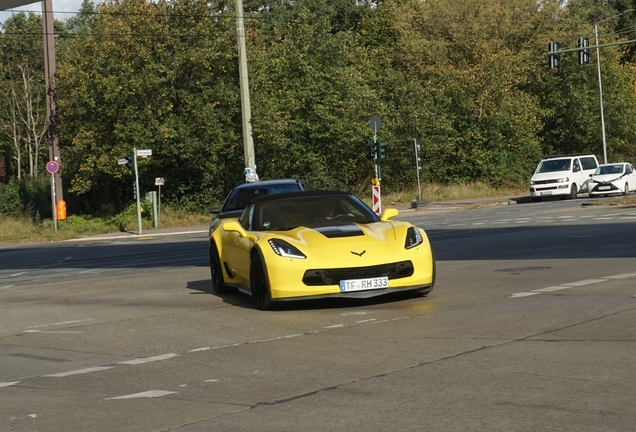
[[600, 92]]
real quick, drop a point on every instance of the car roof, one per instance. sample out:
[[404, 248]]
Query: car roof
[[259, 184], [304, 194]]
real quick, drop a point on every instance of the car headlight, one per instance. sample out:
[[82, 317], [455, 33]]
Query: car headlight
[[413, 238], [532, 182], [285, 250], [562, 180]]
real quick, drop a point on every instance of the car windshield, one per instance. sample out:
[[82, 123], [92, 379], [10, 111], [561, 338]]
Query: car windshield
[[609, 169], [241, 197], [554, 165], [312, 212]]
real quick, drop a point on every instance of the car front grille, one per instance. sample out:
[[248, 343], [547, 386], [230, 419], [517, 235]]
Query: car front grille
[[542, 182], [396, 270]]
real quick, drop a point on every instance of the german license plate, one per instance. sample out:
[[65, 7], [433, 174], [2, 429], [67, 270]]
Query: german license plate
[[364, 284], [546, 193], [603, 188]]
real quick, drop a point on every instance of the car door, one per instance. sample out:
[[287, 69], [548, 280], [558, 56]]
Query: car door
[[631, 176], [237, 248]]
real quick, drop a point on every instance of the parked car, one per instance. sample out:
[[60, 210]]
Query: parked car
[[242, 194], [308, 245], [564, 176], [616, 178]]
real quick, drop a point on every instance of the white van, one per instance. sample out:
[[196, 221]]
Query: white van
[[564, 176]]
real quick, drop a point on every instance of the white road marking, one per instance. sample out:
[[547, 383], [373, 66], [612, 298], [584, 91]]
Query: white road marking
[[585, 282], [353, 313], [146, 394], [524, 294], [60, 323], [6, 286], [79, 371], [212, 380], [148, 359], [334, 326], [572, 285], [54, 331], [7, 384], [552, 288], [200, 349], [17, 274], [365, 321], [620, 276]]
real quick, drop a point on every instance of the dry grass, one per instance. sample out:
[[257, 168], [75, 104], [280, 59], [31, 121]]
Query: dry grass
[[437, 193]]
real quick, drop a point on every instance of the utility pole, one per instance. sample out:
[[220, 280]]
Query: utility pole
[[246, 111], [51, 106]]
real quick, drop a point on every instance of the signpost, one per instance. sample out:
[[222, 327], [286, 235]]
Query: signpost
[[159, 181], [375, 125], [52, 167]]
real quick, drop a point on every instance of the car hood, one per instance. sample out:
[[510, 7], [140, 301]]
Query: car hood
[[606, 177], [550, 175], [375, 240]]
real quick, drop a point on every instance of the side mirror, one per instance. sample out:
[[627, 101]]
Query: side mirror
[[388, 214], [215, 210]]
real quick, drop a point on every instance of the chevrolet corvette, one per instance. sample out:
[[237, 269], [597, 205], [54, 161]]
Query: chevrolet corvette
[[317, 244]]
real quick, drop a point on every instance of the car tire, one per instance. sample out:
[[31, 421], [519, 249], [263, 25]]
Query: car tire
[[216, 272], [626, 190], [572, 194], [259, 283]]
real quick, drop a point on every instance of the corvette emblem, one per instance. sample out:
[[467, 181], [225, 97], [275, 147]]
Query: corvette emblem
[[359, 254]]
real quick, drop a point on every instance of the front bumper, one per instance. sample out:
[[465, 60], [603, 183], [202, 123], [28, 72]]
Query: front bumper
[[604, 189]]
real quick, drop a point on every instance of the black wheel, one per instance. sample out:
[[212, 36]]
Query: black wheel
[[572, 194], [626, 190], [216, 273], [259, 284]]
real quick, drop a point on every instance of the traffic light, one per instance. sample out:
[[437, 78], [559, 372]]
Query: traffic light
[[131, 163], [415, 153], [379, 152], [371, 154], [554, 60], [584, 51]]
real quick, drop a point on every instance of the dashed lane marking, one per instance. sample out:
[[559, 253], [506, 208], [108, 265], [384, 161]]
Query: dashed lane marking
[[79, 371], [148, 359], [572, 285], [146, 394], [7, 384]]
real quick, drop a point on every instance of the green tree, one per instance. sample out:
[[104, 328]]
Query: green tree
[[158, 76]]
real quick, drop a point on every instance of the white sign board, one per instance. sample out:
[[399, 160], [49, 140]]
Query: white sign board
[[144, 153], [122, 161], [159, 181]]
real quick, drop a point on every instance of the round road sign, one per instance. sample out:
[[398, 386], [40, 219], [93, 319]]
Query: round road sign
[[52, 167]]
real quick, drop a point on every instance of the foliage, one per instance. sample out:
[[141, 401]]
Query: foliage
[[467, 78], [10, 202]]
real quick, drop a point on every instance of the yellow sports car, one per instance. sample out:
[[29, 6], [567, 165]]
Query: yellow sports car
[[304, 245]]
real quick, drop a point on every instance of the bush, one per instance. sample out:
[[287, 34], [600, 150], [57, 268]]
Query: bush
[[10, 202]]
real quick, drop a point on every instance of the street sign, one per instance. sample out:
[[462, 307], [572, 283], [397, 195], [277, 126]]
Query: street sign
[[52, 167], [159, 181], [144, 153], [375, 124], [123, 161], [377, 207]]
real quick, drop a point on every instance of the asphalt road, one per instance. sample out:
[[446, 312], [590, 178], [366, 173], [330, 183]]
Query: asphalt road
[[530, 327]]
